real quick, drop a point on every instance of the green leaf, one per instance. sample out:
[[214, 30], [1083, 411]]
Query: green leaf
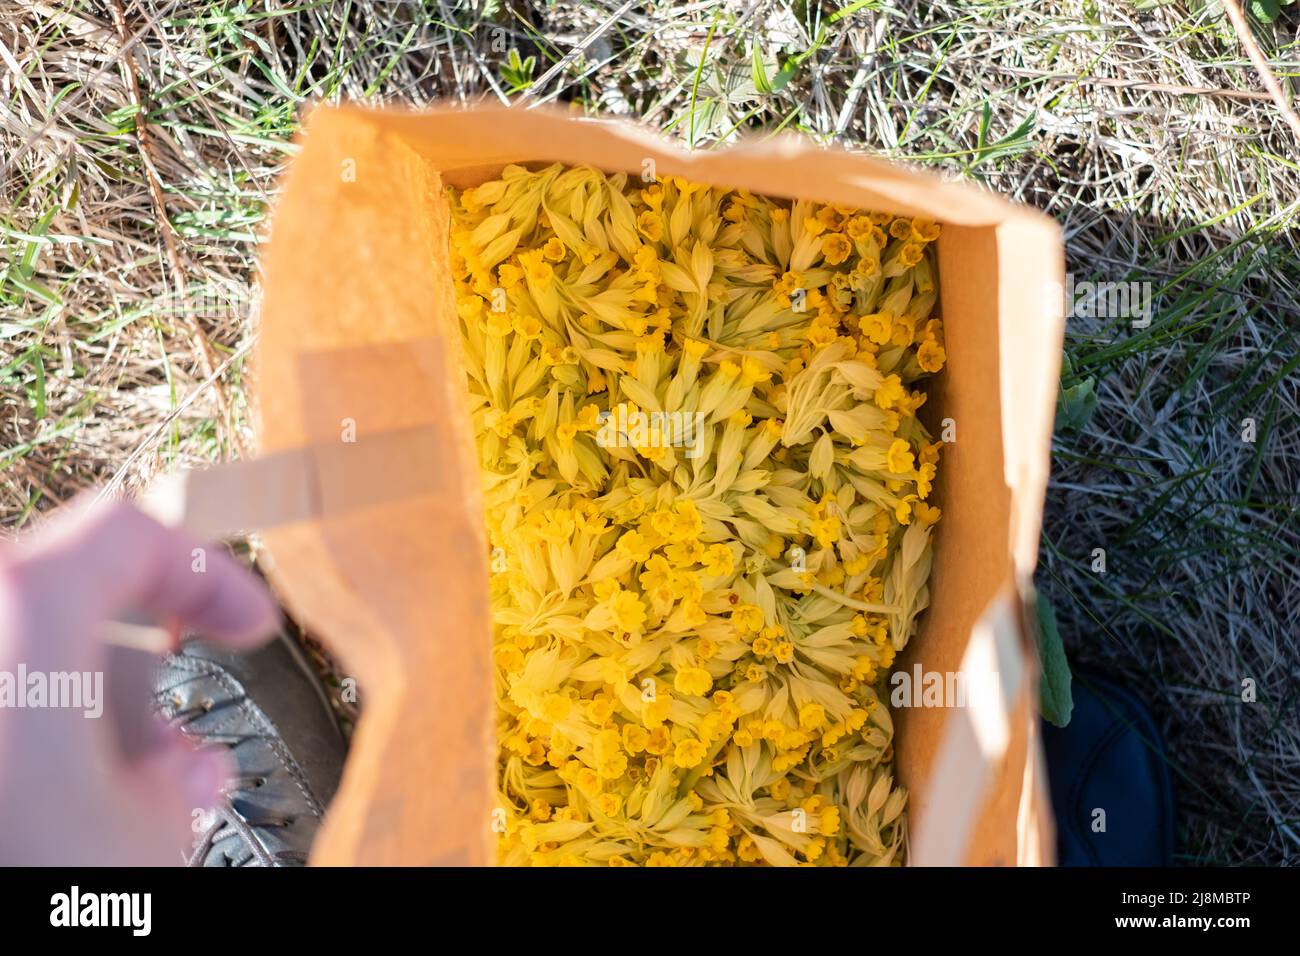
[[764, 84], [1055, 700], [851, 9], [1075, 405], [1077, 399], [517, 72], [1013, 144], [38, 387], [1266, 11], [761, 82]]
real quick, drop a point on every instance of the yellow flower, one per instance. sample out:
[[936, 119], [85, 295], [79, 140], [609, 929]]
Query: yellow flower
[[899, 458], [633, 546], [930, 356], [643, 571], [903, 511], [858, 227], [685, 553], [658, 574], [658, 741], [747, 619], [556, 708], [634, 738], [689, 753], [878, 327], [812, 716], [650, 225], [829, 822], [538, 272], [609, 804], [628, 610], [925, 230], [923, 482], [694, 681], [612, 766], [718, 561], [587, 781], [890, 392], [686, 522], [926, 514], [528, 326], [655, 712], [509, 275], [498, 324], [825, 530], [836, 248]]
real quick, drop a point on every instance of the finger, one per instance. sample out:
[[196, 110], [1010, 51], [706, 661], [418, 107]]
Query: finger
[[129, 683], [193, 777], [109, 559], [169, 793]]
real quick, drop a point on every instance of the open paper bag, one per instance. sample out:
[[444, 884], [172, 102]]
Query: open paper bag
[[358, 350]]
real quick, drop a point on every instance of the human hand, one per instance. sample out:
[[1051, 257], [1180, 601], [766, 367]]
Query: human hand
[[70, 792]]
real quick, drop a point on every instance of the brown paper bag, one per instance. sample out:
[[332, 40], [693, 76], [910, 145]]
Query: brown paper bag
[[359, 339]]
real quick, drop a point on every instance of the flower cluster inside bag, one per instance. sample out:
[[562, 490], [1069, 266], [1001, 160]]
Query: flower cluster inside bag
[[706, 487]]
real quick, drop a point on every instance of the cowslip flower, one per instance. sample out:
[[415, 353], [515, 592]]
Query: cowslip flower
[[706, 484]]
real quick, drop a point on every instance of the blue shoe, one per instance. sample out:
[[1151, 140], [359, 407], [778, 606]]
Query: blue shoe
[[1110, 781]]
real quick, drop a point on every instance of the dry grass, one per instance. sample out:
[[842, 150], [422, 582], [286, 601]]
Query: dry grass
[[1145, 132]]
